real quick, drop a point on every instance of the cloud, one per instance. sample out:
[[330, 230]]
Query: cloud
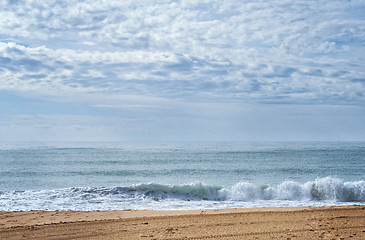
[[168, 75], [257, 51]]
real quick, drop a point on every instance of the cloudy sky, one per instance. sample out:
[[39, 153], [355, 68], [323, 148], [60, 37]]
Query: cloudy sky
[[168, 70]]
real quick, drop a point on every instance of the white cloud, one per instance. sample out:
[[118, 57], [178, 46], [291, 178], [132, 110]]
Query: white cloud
[[241, 51], [170, 75]]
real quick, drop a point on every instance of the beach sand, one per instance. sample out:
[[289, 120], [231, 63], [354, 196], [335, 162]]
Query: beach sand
[[257, 223]]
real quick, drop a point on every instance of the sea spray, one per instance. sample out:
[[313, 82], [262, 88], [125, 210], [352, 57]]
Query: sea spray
[[326, 191], [242, 191], [288, 190], [335, 189]]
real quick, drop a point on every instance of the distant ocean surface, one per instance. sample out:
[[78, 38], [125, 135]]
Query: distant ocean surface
[[180, 175]]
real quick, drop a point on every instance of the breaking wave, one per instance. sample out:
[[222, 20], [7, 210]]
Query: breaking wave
[[159, 196], [328, 188]]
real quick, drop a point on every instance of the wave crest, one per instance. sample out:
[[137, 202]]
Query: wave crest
[[195, 191], [321, 189]]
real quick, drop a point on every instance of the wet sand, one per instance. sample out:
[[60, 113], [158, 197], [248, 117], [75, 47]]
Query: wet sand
[[256, 223]]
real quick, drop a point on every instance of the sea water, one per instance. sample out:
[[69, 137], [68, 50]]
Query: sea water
[[179, 175]]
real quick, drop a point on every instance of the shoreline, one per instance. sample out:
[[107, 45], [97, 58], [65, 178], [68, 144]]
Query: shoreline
[[338, 222]]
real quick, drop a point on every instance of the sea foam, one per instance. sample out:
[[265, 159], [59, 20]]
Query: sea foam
[[320, 192], [328, 188]]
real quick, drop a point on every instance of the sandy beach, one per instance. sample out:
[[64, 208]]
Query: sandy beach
[[258, 223]]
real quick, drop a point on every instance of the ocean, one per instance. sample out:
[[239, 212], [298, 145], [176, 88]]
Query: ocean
[[180, 175]]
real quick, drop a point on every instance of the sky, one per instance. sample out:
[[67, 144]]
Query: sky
[[165, 70]]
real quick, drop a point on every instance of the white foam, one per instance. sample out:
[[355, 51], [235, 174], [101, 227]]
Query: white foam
[[320, 192]]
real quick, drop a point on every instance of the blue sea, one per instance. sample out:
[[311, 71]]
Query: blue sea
[[179, 175]]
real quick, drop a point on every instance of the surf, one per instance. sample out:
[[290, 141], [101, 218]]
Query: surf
[[326, 191]]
